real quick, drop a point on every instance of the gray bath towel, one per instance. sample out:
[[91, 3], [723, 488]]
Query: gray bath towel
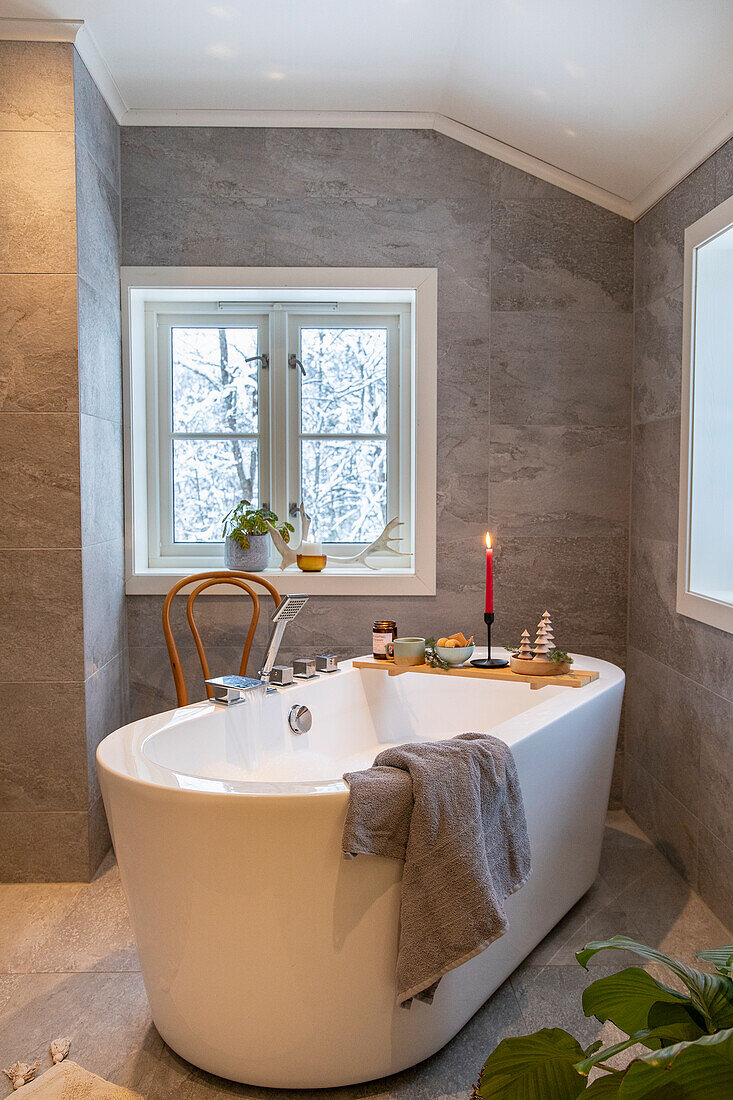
[[453, 811]]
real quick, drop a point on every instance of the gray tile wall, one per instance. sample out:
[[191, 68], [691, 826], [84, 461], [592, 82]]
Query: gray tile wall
[[679, 724], [52, 709], [534, 342]]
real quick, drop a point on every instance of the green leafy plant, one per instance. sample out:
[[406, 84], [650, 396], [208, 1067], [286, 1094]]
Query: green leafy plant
[[431, 655], [688, 1037], [560, 657], [244, 520]]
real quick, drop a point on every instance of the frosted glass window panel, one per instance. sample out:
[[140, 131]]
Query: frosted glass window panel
[[344, 486], [209, 477], [344, 390], [711, 481], [213, 388]]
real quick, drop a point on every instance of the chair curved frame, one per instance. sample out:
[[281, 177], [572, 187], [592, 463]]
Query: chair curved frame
[[207, 580]]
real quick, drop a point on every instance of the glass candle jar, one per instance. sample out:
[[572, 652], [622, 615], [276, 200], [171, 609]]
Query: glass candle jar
[[383, 633]]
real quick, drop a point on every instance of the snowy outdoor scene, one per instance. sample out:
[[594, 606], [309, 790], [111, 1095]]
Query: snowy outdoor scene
[[342, 444]]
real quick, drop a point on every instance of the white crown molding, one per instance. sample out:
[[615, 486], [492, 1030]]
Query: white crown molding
[[39, 30], [90, 54], [368, 120], [689, 159]]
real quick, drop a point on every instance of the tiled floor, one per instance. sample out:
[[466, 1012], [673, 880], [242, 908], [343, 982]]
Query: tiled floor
[[68, 967]]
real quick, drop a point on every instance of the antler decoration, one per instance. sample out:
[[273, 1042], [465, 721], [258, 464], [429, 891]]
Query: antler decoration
[[381, 545]]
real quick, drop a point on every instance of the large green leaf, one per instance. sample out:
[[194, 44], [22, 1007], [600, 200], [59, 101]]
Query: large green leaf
[[711, 994], [627, 998], [604, 1088], [720, 957], [702, 1070], [532, 1066]]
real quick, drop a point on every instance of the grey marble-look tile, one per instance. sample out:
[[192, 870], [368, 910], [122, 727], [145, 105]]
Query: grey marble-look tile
[[31, 914], [558, 481], [100, 367], [659, 237], [655, 484], [98, 227], [553, 368], [100, 446], [699, 651], [37, 203], [508, 182], [723, 160], [559, 254], [716, 766], [152, 690], [107, 706], [100, 839], [43, 764], [103, 603], [107, 1016], [666, 821], [715, 878], [38, 343], [188, 233], [36, 86], [44, 846], [627, 853], [658, 358], [42, 615], [95, 124], [39, 492], [551, 996]]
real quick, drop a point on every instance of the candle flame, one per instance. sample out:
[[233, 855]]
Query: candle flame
[[487, 540]]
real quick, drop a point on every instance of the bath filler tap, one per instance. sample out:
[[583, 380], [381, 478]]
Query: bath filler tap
[[285, 612]]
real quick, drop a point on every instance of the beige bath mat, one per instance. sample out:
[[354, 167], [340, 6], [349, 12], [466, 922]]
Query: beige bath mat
[[67, 1081]]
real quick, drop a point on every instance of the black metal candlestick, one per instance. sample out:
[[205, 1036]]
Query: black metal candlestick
[[496, 662]]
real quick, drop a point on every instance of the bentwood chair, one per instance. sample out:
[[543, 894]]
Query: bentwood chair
[[207, 580]]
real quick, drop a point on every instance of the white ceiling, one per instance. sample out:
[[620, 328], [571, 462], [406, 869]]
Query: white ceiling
[[612, 92]]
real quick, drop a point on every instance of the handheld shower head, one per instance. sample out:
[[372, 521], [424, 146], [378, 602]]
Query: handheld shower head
[[285, 612]]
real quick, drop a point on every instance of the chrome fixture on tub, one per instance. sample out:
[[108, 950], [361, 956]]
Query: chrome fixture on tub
[[327, 662], [304, 668], [300, 719], [280, 675], [229, 690], [285, 612]]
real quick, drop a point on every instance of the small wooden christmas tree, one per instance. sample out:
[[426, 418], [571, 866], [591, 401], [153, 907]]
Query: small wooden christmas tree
[[524, 653], [541, 645], [546, 621]]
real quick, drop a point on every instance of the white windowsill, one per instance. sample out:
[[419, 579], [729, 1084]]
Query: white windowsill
[[336, 582]]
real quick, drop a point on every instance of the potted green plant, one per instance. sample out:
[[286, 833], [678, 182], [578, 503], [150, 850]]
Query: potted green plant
[[247, 536], [683, 1037]]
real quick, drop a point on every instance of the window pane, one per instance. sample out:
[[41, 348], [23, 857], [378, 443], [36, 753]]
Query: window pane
[[209, 477], [344, 487], [344, 390], [214, 389]]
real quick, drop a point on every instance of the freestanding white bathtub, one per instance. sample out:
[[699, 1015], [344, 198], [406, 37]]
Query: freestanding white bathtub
[[268, 958]]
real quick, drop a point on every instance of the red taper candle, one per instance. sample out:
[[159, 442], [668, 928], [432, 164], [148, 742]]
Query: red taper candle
[[489, 606]]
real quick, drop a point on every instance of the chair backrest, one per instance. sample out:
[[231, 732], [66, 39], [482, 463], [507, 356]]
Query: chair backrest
[[207, 580]]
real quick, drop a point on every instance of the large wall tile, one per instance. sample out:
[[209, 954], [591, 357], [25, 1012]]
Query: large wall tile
[[100, 445], [716, 766], [558, 481], [95, 124], [715, 876], [36, 86], [178, 232], [658, 358], [107, 707], [663, 818], [660, 235], [41, 616], [100, 368], [42, 759], [104, 603], [656, 482], [559, 254], [561, 368], [39, 492], [99, 839], [98, 227], [38, 346], [724, 172], [44, 847], [37, 203]]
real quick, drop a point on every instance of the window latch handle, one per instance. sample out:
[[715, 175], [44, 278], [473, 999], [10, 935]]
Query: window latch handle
[[294, 362], [264, 359]]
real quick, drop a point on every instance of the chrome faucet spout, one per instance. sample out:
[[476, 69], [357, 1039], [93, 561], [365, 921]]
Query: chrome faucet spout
[[285, 612]]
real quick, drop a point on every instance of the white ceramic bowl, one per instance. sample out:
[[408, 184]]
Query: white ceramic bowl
[[454, 657]]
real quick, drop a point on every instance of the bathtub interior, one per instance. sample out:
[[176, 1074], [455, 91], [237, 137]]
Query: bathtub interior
[[355, 714]]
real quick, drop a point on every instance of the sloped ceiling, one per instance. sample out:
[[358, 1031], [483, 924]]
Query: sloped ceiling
[[619, 94]]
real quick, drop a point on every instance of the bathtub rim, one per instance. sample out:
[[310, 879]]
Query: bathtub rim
[[124, 746]]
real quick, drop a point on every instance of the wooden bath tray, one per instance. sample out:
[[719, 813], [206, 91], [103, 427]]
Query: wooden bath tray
[[576, 678]]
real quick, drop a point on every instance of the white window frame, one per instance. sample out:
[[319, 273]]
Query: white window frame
[[284, 298], [695, 605]]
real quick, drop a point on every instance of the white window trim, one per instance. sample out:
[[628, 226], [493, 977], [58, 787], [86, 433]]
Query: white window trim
[[694, 605], [417, 286]]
